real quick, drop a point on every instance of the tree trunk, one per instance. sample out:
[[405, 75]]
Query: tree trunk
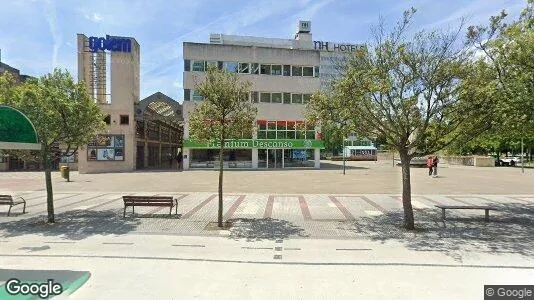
[[48, 182], [406, 191], [221, 166]]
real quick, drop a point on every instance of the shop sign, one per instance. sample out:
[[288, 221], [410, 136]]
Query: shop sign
[[256, 144], [335, 47], [110, 43]]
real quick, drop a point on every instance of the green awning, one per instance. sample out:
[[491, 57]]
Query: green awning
[[16, 131]]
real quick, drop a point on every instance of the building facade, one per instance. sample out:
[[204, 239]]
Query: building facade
[[284, 73]]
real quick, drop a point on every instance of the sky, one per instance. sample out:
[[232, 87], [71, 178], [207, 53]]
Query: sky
[[38, 35]]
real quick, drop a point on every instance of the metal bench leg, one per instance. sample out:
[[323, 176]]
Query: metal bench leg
[[443, 214], [9, 210], [176, 209], [124, 212], [24, 208], [170, 211], [486, 217]]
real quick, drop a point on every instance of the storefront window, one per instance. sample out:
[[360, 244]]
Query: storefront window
[[106, 148], [209, 158], [299, 158]]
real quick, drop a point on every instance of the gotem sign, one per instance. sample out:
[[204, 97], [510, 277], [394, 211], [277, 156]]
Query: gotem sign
[[334, 47], [256, 144], [110, 43]]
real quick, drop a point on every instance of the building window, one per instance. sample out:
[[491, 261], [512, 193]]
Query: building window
[[265, 69], [296, 71], [230, 66], [276, 97], [296, 98], [276, 70], [307, 71], [265, 97], [316, 72], [199, 66], [306, 98], [197, 96], [187, 94], [244, 68], [287, 70], [187, 65], [106, 148], [125, 120], [255, 68], [254, 97], [287, 98], [107, 119]]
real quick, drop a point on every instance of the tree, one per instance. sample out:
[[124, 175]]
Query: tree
[[409, 90], [226, 113], [63, 114], [506, 49]]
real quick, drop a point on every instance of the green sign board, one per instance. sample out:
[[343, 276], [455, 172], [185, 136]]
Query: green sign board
[[257, 144], [16, 130]]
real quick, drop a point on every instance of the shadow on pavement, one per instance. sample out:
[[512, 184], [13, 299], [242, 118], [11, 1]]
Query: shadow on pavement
[[72, 225], [264, 229], [511, 230]]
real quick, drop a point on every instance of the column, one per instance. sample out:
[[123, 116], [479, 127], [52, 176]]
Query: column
[[159, 146], [145, 146], [254, 158], [317, 154], [185, 158]]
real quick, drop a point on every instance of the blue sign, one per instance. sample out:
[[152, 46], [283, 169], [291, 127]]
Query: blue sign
[[299, 154], [110, 43]]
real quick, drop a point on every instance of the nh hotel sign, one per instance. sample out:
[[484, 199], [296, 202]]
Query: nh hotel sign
[[110, 43], [333, 47]]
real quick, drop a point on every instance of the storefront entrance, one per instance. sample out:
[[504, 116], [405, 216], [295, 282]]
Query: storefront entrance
[[274, 159]]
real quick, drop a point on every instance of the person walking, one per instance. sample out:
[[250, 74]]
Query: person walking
[[430, 165], [179, 160], [435, 162]]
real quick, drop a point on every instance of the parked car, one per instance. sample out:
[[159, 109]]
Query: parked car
[[508, 161]]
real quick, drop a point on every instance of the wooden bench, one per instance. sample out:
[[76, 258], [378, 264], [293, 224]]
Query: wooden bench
[[485, 208], [165, 201], [10, 200]]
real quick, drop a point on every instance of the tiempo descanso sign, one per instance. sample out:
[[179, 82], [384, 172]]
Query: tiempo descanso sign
[[110, 43]]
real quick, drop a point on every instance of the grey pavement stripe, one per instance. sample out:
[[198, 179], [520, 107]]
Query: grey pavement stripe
[[104, 203], [199, 246], [388, 265], [258, 248], [292, 249], [55, 199], [69, 204], [353, 249], [58, 242], [116, 243], [373, 204]]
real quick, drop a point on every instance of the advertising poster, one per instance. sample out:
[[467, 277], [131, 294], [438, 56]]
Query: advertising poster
[[118, 154], [106, 154], [92, 154], [118, 141]]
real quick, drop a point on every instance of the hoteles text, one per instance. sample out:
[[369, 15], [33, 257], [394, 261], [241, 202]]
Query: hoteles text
[[114, 44], [333, 47]]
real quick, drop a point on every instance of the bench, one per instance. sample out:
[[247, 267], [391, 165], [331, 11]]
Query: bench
[[10, 200], [485, 208], [165, 201]]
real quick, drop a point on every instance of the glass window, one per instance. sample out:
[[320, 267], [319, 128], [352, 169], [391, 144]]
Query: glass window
[[255, 97], [306, 98], [271, 125], [262, 134], [280, 135], [124, 119], [307, 71], [299, 135], [220, 65], [197, 96], [310, 135], [280, 125], [211, 63], [244, 68], [255, 68], [296, 98], [290, 135], [287, 70], [271, 135], [265, 97], [187, 94], [199, 65], [276, 70], [287, 98], [265, 69], [187, 65], [230, 66], [296, 71], [276, 97], [107, 119], [316, 72]]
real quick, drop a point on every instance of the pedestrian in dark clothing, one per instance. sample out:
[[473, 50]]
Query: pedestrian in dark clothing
[[179, 160], [435, 162], [430, 165]]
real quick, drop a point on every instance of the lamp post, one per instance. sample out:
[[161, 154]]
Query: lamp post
[[522, 157], [343, 151]]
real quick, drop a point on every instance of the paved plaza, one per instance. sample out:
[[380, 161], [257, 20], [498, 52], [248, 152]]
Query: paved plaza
[[294, 234]]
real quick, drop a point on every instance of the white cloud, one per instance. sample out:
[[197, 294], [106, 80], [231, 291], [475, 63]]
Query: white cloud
[[51, 18], [94, 17]]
